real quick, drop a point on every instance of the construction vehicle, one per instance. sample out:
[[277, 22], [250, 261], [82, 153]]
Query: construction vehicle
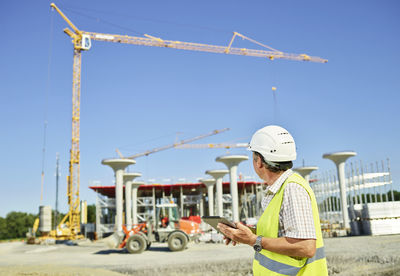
[[82, 42], [167, 226], [31, 234]]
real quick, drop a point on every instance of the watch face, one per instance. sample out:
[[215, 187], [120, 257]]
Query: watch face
[[257, 247]]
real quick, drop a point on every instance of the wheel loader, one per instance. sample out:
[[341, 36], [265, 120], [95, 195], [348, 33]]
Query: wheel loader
[[167, 226]]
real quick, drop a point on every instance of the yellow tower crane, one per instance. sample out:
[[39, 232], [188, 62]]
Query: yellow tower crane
[[82, 42]]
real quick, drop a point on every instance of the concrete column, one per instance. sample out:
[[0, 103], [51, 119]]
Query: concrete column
[[339, 158], [181, 199], [210, 191], [232, 162], [128, 178], [201, 207], [98, 214], [135, 187], [218, 176], [118, 165], [305, 172], [154, 204]]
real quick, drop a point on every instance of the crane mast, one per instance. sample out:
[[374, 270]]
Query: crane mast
[[82, 41], [74, 168], [72, 218]]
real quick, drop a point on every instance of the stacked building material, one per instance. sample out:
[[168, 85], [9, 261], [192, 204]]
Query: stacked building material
[[355, 219], [381, 218]]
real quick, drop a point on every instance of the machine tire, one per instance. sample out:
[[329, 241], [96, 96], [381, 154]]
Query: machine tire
[[177, 241], [136, 244]]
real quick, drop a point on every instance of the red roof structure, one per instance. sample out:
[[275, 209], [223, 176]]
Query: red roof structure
[[187, 188]]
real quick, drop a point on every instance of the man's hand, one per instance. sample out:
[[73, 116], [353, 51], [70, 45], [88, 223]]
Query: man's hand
[[240, 235]]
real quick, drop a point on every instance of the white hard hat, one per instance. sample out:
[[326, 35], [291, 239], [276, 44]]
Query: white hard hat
[[274, 143]]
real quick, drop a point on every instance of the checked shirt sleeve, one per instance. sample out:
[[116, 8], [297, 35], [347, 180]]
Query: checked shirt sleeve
[[296, 218]]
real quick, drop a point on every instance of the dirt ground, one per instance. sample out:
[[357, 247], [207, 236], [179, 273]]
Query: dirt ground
[[363, 255]]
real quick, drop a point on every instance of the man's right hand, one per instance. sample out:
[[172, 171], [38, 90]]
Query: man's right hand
[[228, 241]]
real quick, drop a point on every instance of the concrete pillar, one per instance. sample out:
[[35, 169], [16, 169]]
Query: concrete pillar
[[128, 178], [118, 165], [154, 204], [210, 191], [135, 187], [232, 162], [218, 176], [181, 199], [339, 158], [201, 207], [305, 172]]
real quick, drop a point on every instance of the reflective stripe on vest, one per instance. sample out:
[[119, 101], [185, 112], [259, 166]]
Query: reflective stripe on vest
[[282, 268]]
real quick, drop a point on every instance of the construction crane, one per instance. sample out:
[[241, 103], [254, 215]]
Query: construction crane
[[213, 146], [82, 42], [174, 145]]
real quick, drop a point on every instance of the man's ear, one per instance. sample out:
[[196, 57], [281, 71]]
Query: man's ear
[[259, 162]]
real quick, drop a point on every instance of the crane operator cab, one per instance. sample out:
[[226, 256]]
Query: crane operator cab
[[167, 216], [86, 43]]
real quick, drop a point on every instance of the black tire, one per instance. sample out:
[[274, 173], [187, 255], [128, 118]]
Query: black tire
[[136, 244], [177, 241]]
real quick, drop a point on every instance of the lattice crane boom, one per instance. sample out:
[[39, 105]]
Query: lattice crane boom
[[82, 41], [158, 42], [213, 146], [174, 145]]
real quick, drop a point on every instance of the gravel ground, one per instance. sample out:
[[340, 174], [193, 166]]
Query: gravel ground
[[363, 255], [346, 256]]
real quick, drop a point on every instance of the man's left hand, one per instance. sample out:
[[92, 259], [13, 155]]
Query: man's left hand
[[240, 235]]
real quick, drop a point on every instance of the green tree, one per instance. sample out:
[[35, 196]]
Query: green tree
[[3, 228], [17, 224], [91, 213], [396, 195]]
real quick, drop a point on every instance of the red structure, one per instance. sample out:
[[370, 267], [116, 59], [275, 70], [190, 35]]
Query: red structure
[[187, 189]]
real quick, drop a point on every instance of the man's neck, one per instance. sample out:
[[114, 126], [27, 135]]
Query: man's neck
[[271, 177]]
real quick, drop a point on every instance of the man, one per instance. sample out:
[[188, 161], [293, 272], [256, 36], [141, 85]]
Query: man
[[288, 239]]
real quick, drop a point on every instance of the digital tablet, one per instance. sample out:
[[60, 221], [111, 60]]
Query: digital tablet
[[214, 220]]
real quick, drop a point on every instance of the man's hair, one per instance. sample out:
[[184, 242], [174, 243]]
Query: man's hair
[[275, 167]]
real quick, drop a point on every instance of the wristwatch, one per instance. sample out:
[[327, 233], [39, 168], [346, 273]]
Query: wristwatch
[[257, 246]]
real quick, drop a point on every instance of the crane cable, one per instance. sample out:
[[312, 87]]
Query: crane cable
[[46, 104], [76, 10], [103, 21]]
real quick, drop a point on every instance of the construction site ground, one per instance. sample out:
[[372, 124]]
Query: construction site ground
[[364, 255]]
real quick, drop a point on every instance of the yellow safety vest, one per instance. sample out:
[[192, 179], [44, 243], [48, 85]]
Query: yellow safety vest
[[269, 263]]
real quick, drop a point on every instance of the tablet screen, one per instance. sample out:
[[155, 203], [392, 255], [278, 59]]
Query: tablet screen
[[214, 220]]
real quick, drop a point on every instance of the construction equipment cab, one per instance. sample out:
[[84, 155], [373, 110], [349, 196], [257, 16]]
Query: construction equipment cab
[[168, 224], [167, 213]]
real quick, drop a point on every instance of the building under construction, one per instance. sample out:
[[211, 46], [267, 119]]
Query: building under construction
[[358, 201], [191, 198]]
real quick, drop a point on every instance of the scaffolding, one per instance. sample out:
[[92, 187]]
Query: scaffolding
[[105, 215]]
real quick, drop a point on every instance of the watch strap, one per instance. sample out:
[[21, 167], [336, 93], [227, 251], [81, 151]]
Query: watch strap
[[258, 246]]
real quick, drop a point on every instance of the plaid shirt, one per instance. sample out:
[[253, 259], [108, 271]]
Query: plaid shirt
[[295, 218]]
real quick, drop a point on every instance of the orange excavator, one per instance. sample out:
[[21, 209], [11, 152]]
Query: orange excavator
[[167, 226]]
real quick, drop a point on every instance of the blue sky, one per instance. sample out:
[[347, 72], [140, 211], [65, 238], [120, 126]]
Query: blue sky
[[135, 98]]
